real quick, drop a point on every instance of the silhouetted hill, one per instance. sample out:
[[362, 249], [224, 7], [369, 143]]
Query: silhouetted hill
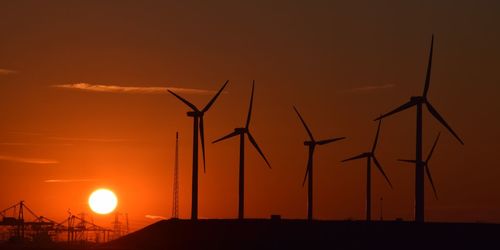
[[292, 234]]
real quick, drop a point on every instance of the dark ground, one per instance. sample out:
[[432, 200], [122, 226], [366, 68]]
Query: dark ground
[[293, 234], [298, 234]]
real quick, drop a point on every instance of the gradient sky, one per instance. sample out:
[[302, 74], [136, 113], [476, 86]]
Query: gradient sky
[[341, 64]]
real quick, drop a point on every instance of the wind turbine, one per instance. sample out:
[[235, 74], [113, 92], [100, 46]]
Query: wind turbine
[[197, 125], [242, 132], [311, 144], [369, 157], [426, 165], [419, 101]]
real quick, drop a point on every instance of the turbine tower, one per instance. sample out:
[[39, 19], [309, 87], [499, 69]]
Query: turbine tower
[[242, 132], [370, 156], [311, 144], [197, 125], [419, 101], [175, 199], [426, 165]]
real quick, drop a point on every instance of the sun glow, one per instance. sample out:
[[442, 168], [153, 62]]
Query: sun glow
[[103, 201]]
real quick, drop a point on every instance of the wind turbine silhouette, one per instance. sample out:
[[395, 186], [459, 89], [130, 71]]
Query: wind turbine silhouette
[[311, 144], [426, 165], [419, 101], [369, 157], [197, 125], [242, 132]]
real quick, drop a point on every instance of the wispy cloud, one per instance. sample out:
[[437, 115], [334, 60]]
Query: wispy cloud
[[62, 140], [369, 88], [25, 133], [28, 160], [87, 139], [155, 217], [130, 89], [7, 72], [21, 144], [70, 180]]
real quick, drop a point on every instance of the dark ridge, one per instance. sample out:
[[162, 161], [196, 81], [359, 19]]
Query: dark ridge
[[293, 234]]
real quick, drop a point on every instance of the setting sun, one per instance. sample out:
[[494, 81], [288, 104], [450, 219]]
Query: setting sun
[[103, 201]]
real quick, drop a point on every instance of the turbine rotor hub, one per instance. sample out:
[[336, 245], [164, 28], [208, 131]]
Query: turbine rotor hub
[[417, 98], [240, 130], [194, 113]]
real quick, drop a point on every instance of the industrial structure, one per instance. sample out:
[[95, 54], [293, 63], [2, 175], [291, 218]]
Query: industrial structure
[[81, 230], [197, 126], [419, 102], [311, 144], [20, 224], [370, 156], [241, 132]]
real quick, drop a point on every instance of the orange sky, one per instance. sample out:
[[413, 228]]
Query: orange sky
[[322, 56]]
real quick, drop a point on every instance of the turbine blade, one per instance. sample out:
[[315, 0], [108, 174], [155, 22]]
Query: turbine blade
[[251, 104], [376, 136], [323, 142], [305, 176], [433, 147], [304, 123], [433, 111], [202, 137], [381, 170], [361, 156], [408, 161], [232, 134], [309, 158], [194, 108], [254, 143], [429, 66], [209, 104], [427, 170], [398, 109]]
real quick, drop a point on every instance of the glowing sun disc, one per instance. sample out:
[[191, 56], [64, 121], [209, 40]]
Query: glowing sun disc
[[103, 201]]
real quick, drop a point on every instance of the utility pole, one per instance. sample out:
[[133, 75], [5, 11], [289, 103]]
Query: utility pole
[[175, 197], [20, 219], [117, 226], [126, 217]]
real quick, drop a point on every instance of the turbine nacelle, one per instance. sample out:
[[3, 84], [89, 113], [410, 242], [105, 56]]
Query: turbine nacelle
[[241, 130], [311, 143], [367, 154], [425, 163], [412, 161], [415, 100], [198, 127], [194, 113], [371, 156], [245, 130], [418, 99]]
